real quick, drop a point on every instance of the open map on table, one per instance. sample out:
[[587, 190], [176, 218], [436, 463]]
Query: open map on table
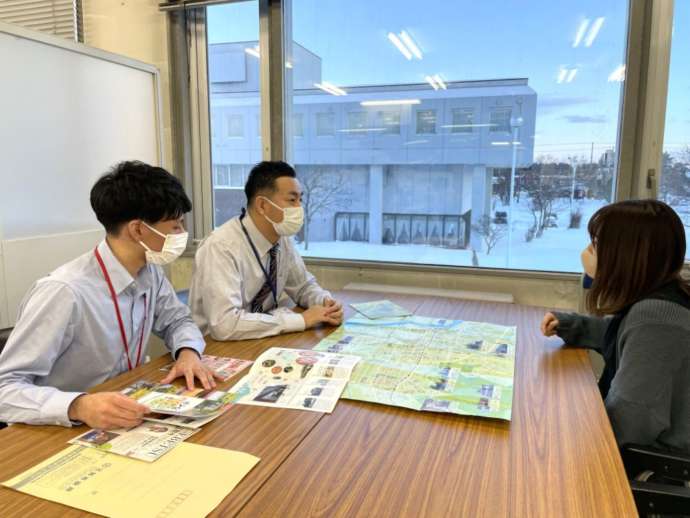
[[431, 364]]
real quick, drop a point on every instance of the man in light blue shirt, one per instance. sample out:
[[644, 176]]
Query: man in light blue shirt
[[91, 319]]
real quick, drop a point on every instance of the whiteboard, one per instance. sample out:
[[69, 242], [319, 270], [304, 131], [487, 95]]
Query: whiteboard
[[68, 113]]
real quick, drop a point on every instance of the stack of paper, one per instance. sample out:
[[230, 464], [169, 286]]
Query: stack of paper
[[178, 485], [178, 414]]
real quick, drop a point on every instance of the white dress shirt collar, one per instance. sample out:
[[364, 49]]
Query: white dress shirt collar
[[119, 275], [262, 244]]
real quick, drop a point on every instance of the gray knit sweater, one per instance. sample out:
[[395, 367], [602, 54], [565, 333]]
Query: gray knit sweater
[[649, 399]]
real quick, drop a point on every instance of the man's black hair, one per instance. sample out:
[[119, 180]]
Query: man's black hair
[[263, 176], [135, 190]]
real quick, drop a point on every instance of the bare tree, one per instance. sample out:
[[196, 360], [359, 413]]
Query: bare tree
[[490, 232], [545, 185], [321, 190]]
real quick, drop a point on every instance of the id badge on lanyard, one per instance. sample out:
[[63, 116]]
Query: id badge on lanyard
[[113, 296], [274, 288]]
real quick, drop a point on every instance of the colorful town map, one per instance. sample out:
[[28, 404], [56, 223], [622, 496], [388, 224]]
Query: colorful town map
[[431, 364]]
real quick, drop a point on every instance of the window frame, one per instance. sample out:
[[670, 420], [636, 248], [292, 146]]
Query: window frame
[[464, 130], [639, 145], [417, 113], [495, 128]]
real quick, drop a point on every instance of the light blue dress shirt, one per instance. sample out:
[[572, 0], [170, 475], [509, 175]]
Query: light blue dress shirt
[[67, 338]]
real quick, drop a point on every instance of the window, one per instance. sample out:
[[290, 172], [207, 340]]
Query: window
[[235, 125], [232, 37], [543, 120], [390, 122], [59, 17], [230, 175], [426, 122], [551, 133], [463, 120], [298, 125], [500, 120], [222, 175], [325, 124], [357, 121], [674, 187]]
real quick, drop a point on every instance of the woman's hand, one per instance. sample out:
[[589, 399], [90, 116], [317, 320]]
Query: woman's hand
[[549, 324]]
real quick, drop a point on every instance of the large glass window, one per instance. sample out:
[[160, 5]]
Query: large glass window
[[234, 102], [449, 132], [674, 187]]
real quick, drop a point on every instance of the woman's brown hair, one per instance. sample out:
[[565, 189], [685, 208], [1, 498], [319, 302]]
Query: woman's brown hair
[[640, 247]]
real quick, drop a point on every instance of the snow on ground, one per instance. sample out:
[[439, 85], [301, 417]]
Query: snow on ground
[[558, 249]]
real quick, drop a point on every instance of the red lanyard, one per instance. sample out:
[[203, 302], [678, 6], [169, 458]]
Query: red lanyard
[[119, 316]]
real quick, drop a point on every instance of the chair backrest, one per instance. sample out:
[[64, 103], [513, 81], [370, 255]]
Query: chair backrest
[[658, 480]]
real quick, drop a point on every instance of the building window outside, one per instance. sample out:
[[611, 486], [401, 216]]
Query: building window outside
[[221, 176], [230, 175], [357, 121], [298, 125], [235, 123], [426, 122], [325, 124], [390, 122], [500, 119], [462, 120]]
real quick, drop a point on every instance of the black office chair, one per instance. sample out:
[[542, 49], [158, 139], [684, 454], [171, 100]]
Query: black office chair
[[660, 480]]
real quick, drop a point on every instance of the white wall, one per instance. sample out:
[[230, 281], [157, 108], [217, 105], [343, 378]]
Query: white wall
[[66, 119]]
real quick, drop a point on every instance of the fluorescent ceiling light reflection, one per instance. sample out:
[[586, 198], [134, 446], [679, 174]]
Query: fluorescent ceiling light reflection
[[411, 45], [618, 74], [594, 31], [336, 89], [288, 64], [253, 51], [580, 32], [562, 75], [399, 44], [431, 81], [390, 102], [360, 130], [440, 82], [501, 143], [330, 88], [571, 75]]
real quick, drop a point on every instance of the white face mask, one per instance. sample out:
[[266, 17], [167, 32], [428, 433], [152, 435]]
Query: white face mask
[[293, 219], [173, 247]]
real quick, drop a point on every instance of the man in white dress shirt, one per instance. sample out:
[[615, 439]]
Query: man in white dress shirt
[[247, 273], [91, 319]]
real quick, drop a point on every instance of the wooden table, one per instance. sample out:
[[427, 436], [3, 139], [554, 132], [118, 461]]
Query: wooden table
[[556, 458]]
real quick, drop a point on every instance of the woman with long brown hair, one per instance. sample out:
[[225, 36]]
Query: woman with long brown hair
[[640, 322]]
